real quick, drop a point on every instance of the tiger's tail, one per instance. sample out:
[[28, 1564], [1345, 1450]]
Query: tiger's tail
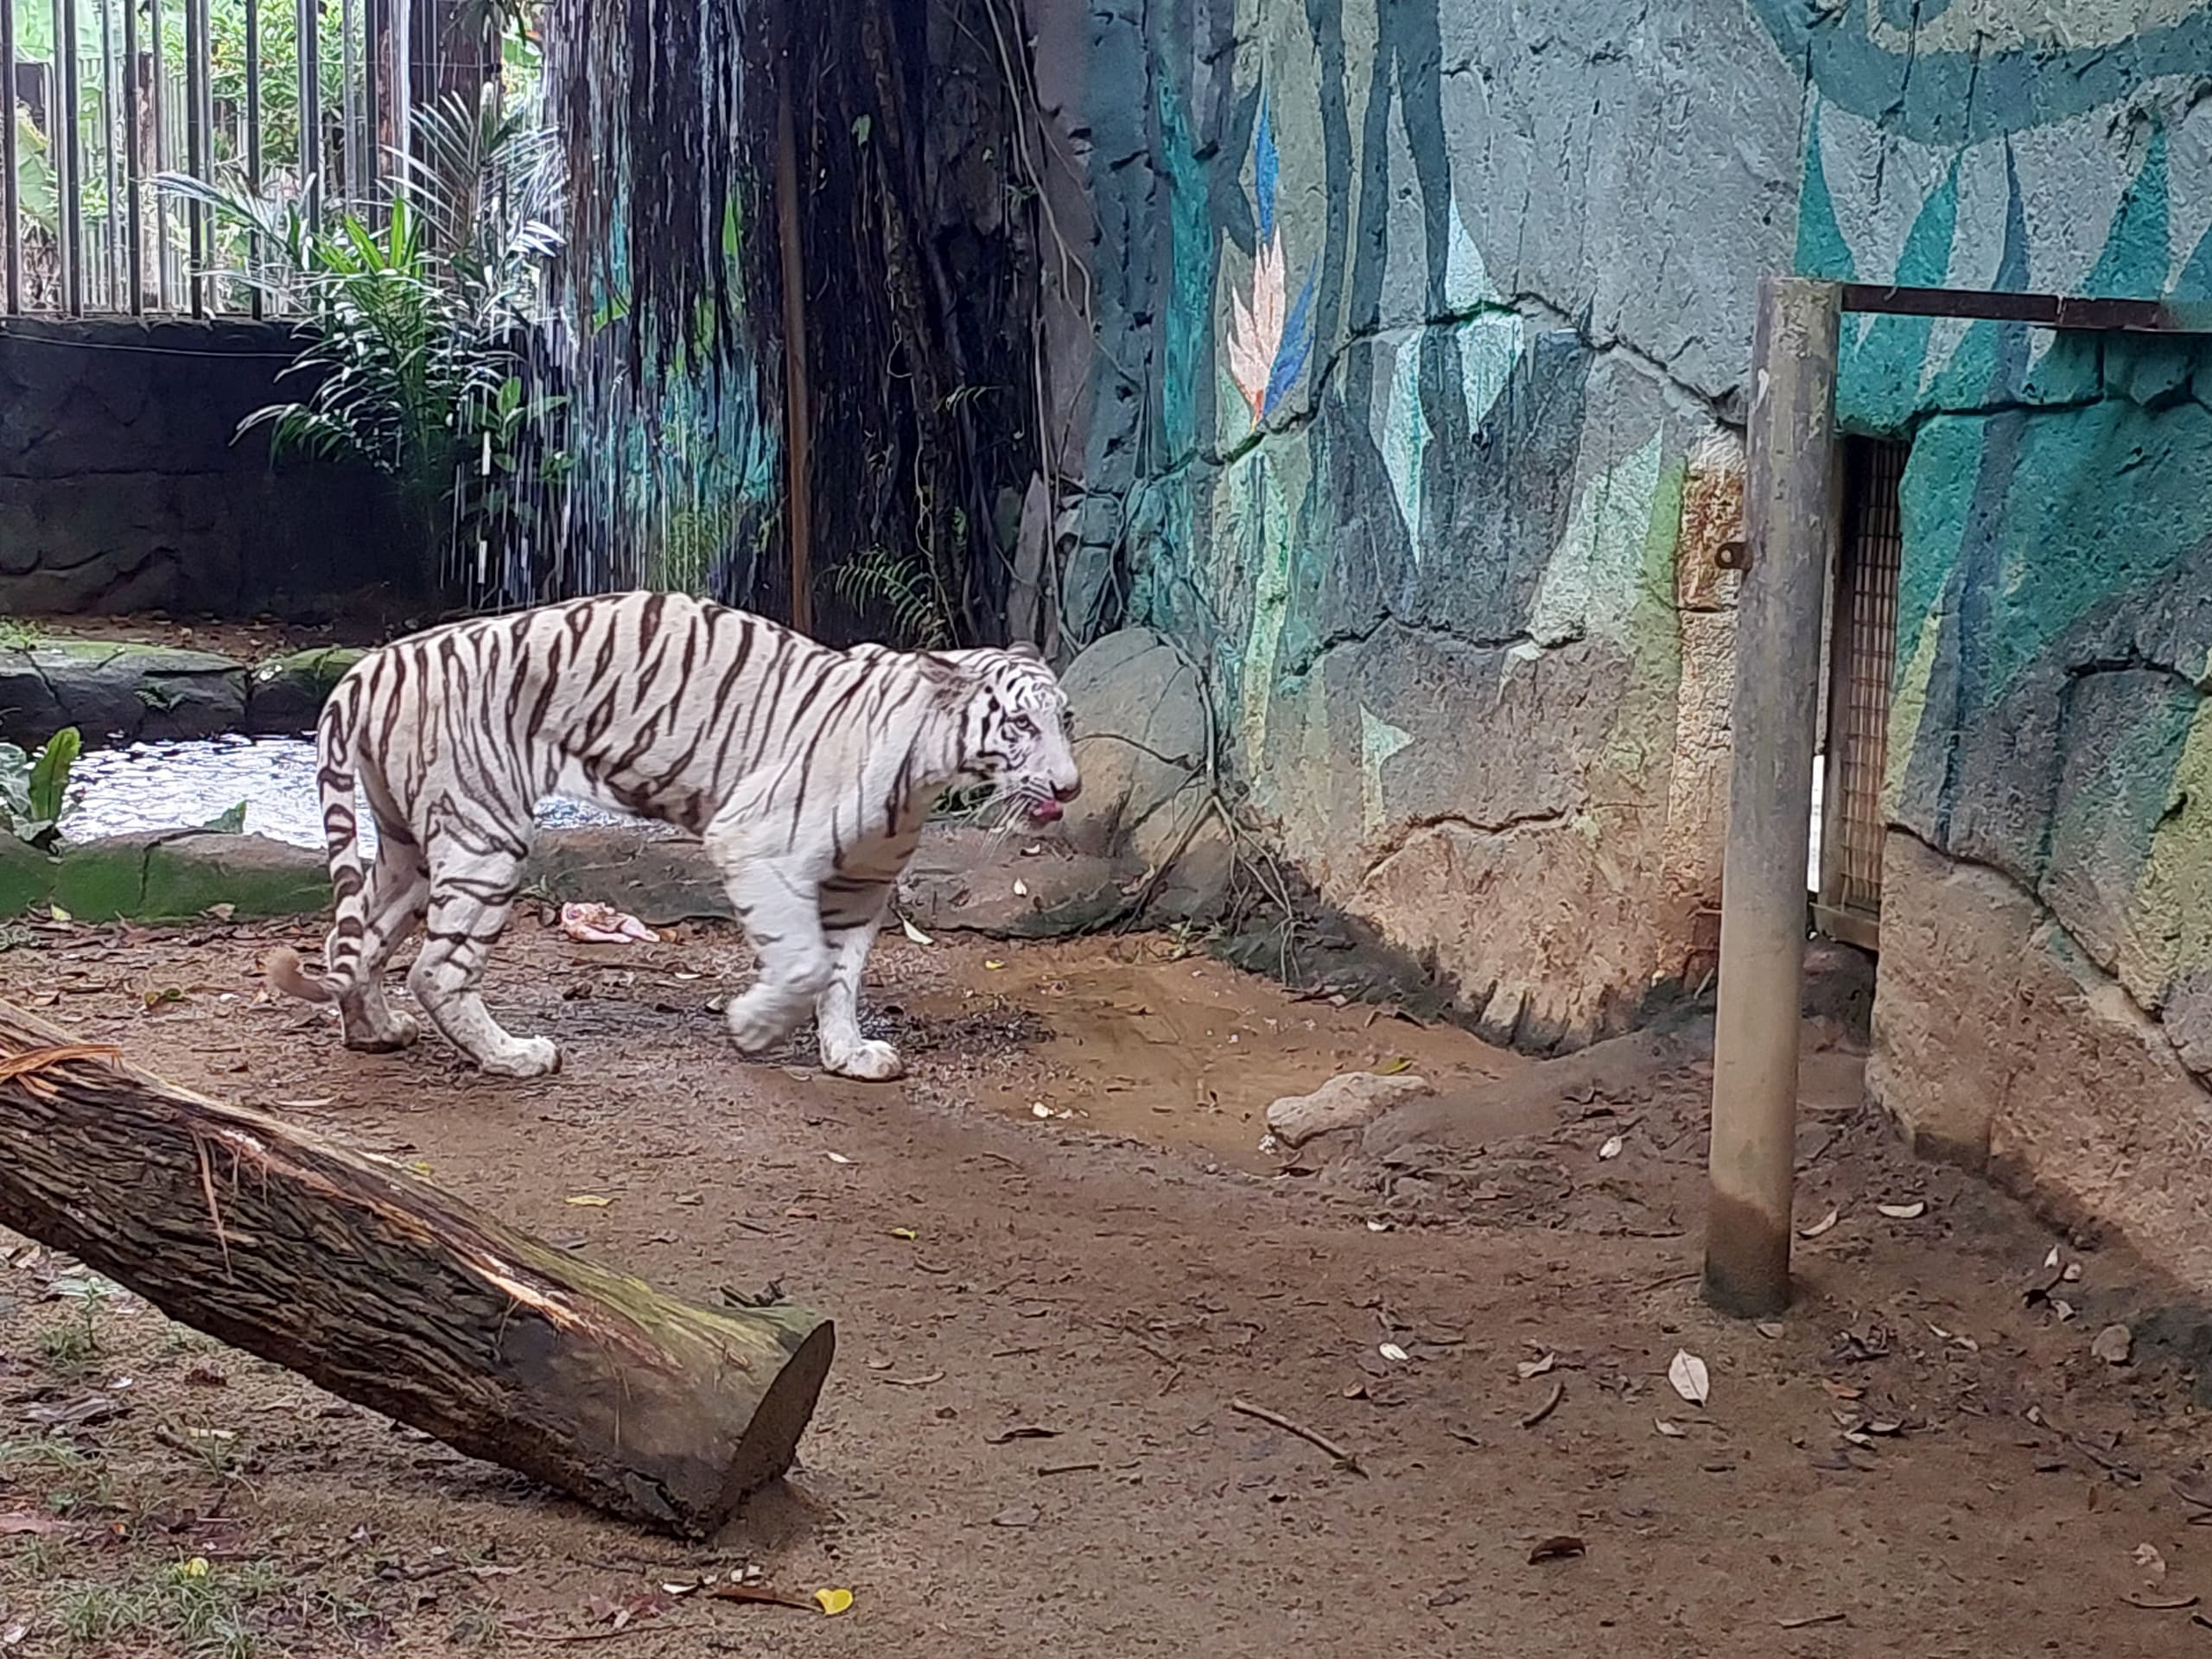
[[336, 780]]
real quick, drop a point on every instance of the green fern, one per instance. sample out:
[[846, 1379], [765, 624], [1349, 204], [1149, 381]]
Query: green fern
[[901, 592]]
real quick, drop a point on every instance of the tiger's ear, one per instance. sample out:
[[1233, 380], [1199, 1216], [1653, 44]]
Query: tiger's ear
[[1022, 648]]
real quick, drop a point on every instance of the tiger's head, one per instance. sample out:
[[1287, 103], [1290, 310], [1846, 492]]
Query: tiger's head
[[1014, 730]]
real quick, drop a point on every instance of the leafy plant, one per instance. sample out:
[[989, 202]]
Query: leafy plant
[[35, 197], [905, 592], [413, 326], [35, 789]]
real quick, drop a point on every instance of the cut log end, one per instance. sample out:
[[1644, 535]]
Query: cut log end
[[779, 1421]]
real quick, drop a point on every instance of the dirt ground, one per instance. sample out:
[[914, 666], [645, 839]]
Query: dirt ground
[[1916, 1462]]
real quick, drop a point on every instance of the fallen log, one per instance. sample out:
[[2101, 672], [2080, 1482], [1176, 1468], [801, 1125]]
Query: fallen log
[[397, 1295]]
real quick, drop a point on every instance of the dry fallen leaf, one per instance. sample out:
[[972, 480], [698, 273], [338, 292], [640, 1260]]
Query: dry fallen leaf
[[993, 966], [1672, 1431], [1771, 1329], [1612, 1147], [1529, 1368], [832, 1602], [1824, 1224], [2153, 1564], [836, 1158], [589, 1200], [904, 1232], [1560, 1548], [1020, 888], [1912, 1211], [1391, 1350], [2113, 1345], [1391, 1067], [913, 933], [764, 1595], [1688, 1374]]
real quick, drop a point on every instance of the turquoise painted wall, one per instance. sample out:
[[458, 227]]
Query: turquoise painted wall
[[2055, 624], [1418, 320]]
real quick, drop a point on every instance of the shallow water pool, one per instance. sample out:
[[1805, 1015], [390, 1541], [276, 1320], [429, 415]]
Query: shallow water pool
[[149, 787]]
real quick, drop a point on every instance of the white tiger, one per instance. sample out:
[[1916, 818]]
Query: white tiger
[[806, 772]]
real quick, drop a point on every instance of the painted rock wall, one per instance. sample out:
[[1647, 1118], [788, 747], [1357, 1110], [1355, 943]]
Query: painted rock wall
[[2046, 994], [1421, 328]]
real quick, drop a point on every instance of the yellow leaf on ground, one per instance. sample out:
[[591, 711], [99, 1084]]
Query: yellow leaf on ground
[[833, 1602], [588, 1201]]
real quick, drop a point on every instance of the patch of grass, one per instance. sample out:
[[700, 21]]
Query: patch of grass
[[217, 1449], [69, 1347], [191, 1608], [476, 1626], [17, 634], [72, 1345], [17, 1456], [72, 1480]]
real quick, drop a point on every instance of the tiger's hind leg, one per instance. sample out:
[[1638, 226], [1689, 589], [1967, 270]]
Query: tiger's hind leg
[[780, 910], [472, 886], [399, 894], [849, 921]]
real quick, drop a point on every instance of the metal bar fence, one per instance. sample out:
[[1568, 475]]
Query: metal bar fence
[[290, 98]]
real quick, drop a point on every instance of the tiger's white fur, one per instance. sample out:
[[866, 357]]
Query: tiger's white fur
[[806, 772]]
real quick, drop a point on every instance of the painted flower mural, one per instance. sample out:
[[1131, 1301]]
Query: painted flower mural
[[1268, 338]]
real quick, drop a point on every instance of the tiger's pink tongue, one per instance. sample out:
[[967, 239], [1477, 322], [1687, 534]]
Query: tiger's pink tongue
[[1044, 811]]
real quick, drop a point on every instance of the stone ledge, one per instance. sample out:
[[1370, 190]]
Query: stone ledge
[[961, 881], [119, 691]]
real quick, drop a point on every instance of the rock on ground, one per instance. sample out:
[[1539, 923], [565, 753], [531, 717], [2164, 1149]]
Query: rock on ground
[[1141, 740], [1343, 1103]]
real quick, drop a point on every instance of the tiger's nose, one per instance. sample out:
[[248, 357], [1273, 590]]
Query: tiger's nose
[[1067, 791]]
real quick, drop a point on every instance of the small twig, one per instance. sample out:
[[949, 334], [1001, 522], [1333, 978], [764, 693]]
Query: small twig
[[1070, 1469], [1344, 1460], [1550, 1405]]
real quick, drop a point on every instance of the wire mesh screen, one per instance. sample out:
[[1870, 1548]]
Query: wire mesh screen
[[1863, 659]]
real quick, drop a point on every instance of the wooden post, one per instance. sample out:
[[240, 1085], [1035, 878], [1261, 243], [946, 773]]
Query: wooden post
[[398, 1296], [798, 412], [1790, 519]]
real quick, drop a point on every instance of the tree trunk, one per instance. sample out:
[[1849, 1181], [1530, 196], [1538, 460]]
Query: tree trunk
[[394, 1295]]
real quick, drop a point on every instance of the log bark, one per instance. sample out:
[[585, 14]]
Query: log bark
[[398, 1296]]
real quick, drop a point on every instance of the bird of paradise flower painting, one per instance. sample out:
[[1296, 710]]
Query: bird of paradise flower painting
[[1269, 339]]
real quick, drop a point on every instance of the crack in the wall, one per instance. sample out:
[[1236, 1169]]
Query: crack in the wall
[[1513, 824]]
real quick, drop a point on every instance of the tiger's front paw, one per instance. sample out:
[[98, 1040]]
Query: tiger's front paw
[[870, 1062], [522, 1057], [758, 1022]]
